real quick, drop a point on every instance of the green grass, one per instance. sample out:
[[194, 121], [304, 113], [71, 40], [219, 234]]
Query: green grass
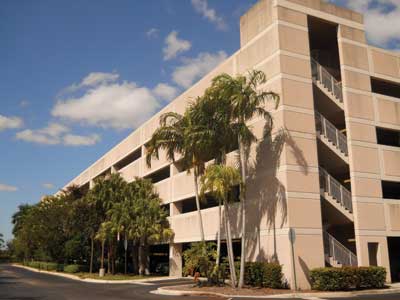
[[114, 277]]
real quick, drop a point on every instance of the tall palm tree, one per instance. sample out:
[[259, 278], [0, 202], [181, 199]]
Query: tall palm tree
[[189, 137], [247, 101], [219, 180]]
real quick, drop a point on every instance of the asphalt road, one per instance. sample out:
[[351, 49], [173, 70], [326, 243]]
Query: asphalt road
[[20, 284]]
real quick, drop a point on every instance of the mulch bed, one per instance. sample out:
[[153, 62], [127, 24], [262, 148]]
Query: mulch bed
[[227, 290]]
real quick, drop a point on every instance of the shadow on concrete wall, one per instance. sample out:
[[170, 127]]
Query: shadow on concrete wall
[[266, 195]]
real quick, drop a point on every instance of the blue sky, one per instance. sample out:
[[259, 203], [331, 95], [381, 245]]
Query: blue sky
[[78, 76]]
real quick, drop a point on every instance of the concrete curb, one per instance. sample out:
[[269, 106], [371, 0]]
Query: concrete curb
[[90, 280], [168, 291]]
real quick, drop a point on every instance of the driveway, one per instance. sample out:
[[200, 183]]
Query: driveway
[[21, 284]]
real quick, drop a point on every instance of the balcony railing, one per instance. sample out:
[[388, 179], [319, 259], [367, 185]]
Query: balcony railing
[[338, 252], [337, 191], [320, 74], [327, 129]]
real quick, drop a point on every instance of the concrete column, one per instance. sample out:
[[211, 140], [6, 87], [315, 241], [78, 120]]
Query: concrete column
[[113, 170], [175, 259], [175, 208], [91, 184]]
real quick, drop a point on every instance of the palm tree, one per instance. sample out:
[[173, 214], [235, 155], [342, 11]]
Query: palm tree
[[247, 101], [219, 180], [105, 233], [141, 218], [108, 191], [189, 137]]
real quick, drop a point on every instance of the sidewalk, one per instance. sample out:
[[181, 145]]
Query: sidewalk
[[145, 281], [170, 291]]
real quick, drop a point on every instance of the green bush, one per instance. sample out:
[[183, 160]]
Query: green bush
[[370, 277], [347, 278], [49, 266], [75, 268], [263, 274]]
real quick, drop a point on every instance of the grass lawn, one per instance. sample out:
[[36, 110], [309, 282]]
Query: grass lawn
[[115, 276]]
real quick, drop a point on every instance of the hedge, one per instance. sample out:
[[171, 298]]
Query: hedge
[[41, 265], [347, 278], [263, 274], [75, 268]]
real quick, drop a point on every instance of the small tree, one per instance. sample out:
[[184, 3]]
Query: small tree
[[200, 257], [105, 233], [219, 180], [150, 223]]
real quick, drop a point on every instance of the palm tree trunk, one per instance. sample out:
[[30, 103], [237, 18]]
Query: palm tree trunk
[[109, 260], [229, 246], [102, 255], [143, 257], [243, 213], [135, 258], [200, 218], [91, 254], [219, 233]]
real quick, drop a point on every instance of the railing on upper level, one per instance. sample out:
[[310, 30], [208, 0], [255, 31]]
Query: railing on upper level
[[320, 74], [337, 191], [331, 133], [338, 252]]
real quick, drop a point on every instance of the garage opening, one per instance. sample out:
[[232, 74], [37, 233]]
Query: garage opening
[[391, 190], [394, 257], [159, 259], [388, 137]]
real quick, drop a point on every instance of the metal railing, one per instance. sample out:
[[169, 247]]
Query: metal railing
[[338, 252], [320, 74], [337, 191], [331, 133]]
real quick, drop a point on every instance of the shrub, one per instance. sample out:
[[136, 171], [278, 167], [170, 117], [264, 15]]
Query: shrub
[[200, 257], [370, 277], [263, 274], [74, 268], [346, 278], [49, 266]]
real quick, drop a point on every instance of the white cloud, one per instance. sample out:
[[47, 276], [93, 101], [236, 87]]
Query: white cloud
[[165, 91], [91, 80], [201, 6], [152, 33], [49, 135], [381, 17], [7, 188], [117, 105], [80, 140], [10, 122], [48, 186], [56, 134], [193, 69], [174, 46]]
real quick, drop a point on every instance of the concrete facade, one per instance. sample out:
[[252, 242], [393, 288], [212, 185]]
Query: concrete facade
[[285, 186]]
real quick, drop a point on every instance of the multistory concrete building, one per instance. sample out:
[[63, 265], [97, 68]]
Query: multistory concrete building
[[334, 178]]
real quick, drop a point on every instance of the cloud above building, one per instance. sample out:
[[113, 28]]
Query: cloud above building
[[193, 69], [201, 7], [174, 46], [381, 18]]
